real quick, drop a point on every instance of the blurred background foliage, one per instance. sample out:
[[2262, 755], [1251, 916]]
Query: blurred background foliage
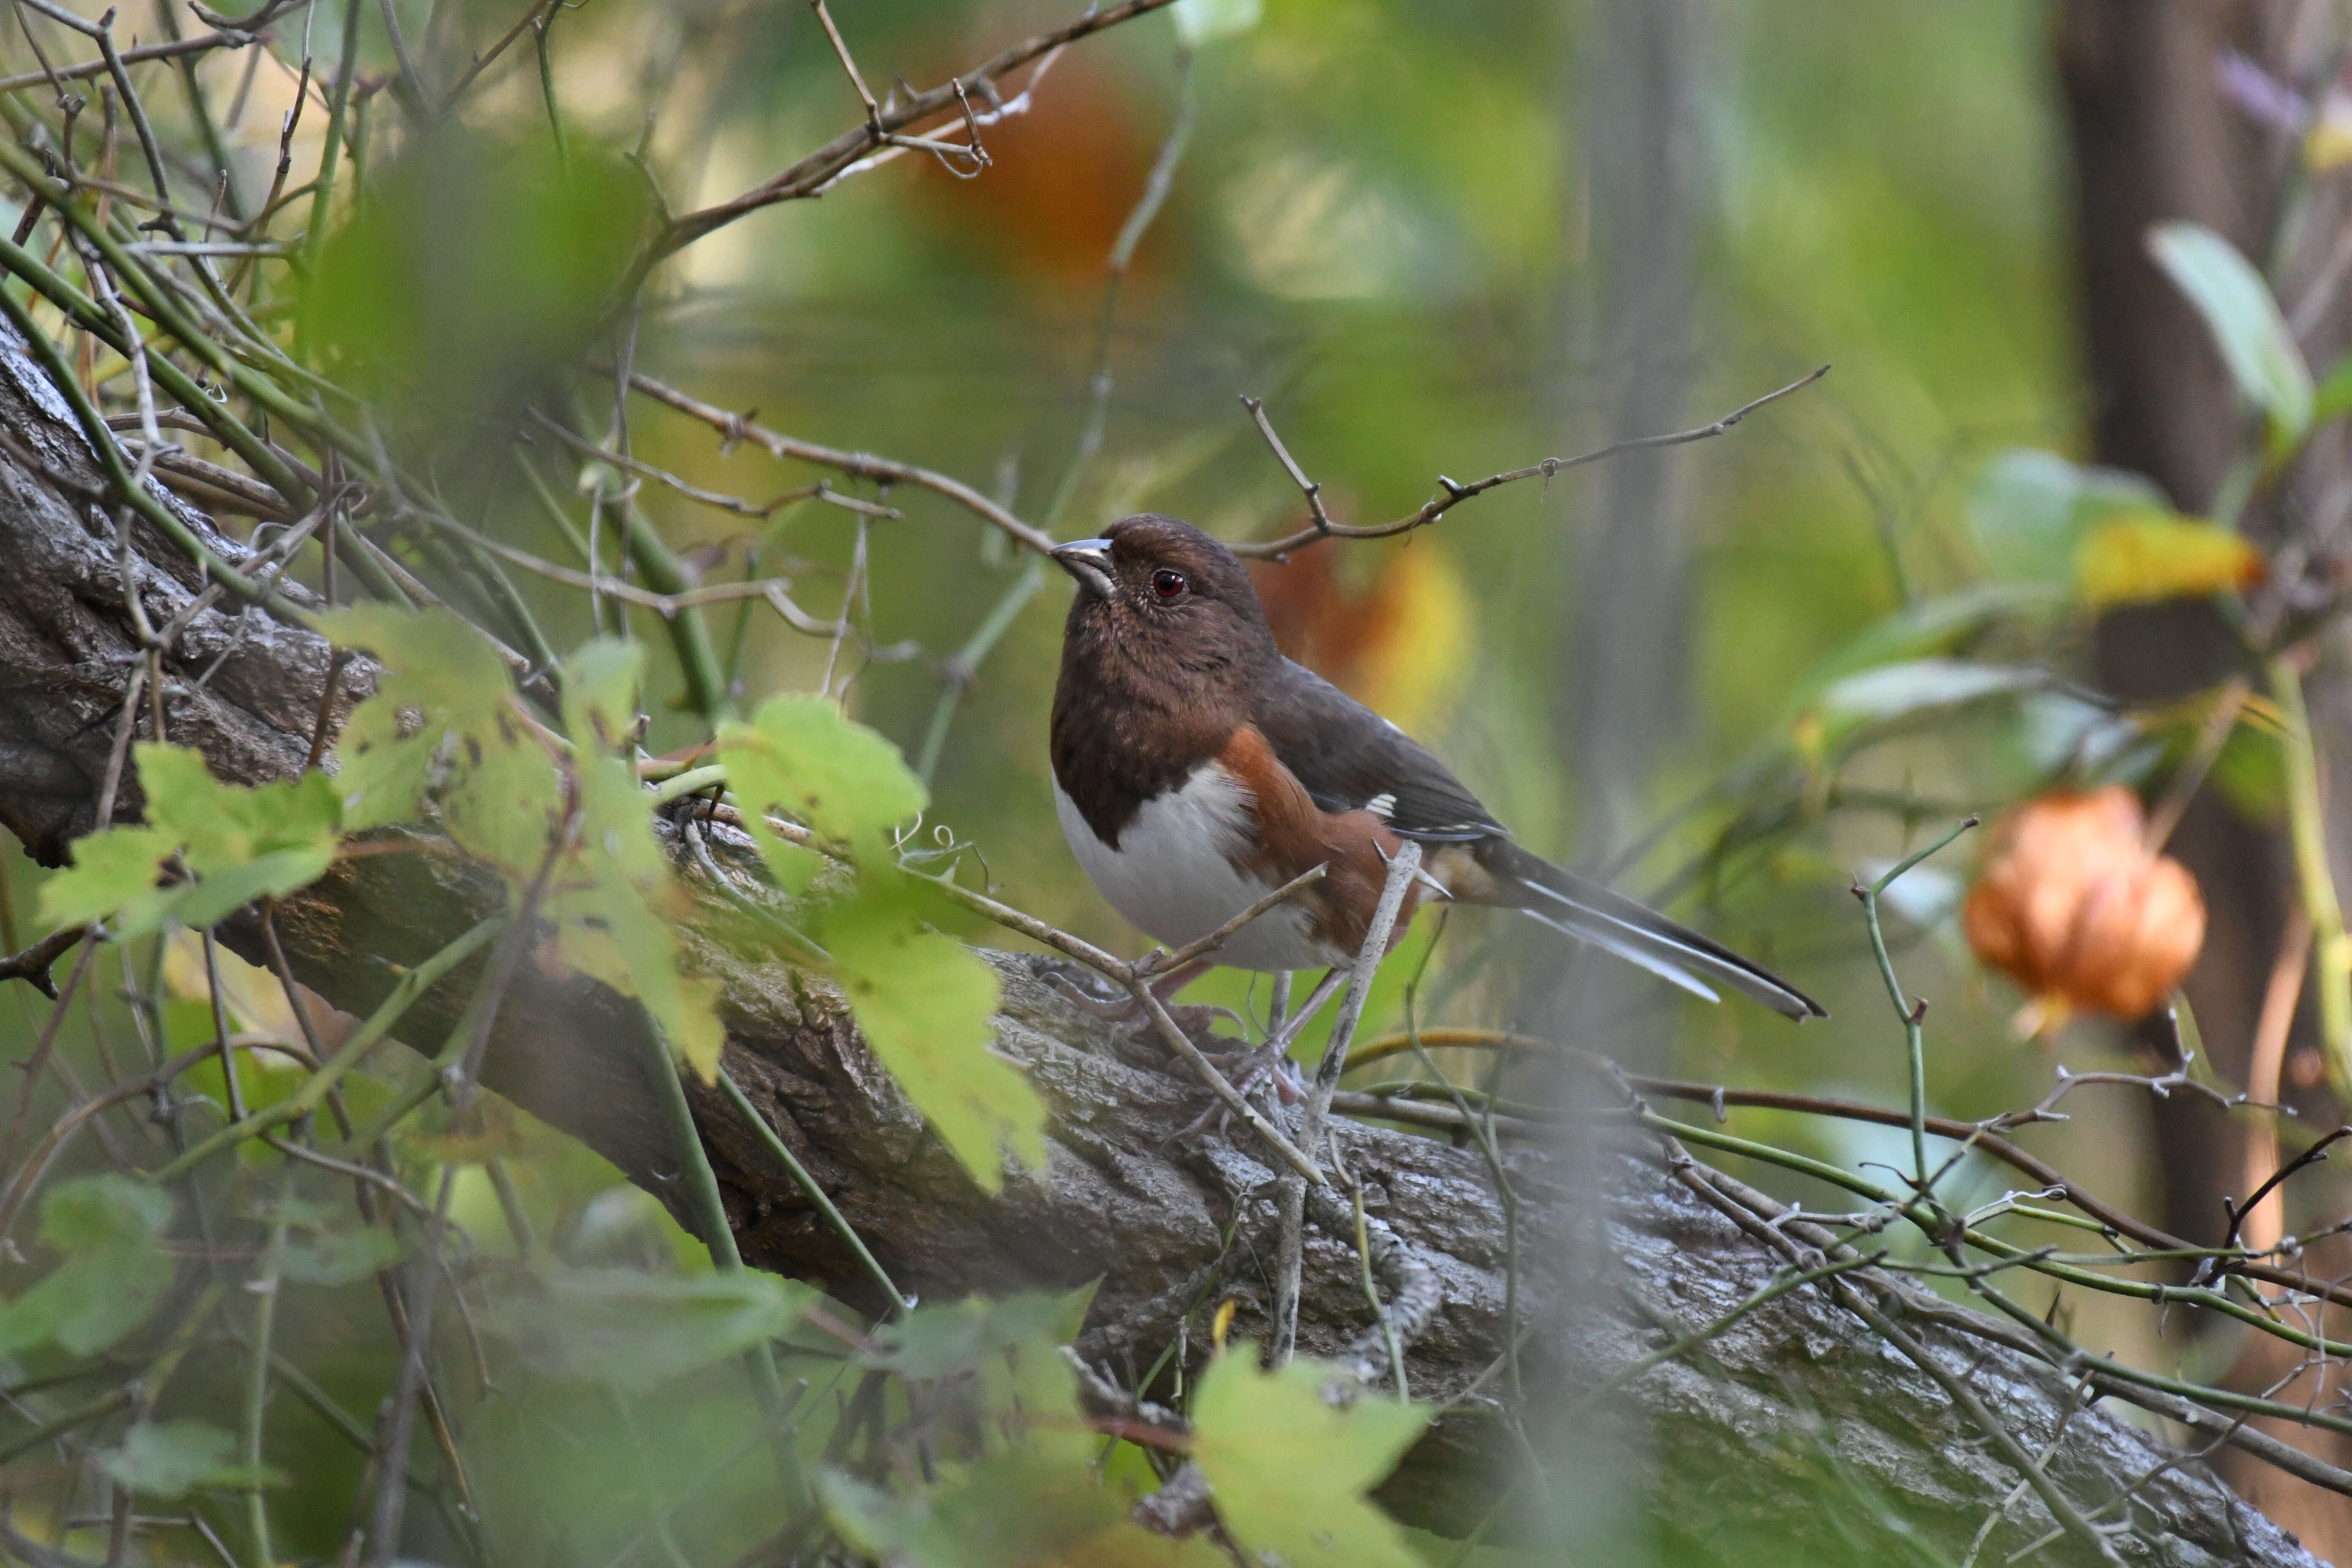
[[1384, 223]]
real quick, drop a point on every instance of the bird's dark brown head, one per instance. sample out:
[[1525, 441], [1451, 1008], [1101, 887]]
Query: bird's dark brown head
[[1158, 587], [1165, 645]]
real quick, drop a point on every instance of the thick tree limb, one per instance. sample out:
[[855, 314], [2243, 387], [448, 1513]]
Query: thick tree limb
[[1797, 1384]]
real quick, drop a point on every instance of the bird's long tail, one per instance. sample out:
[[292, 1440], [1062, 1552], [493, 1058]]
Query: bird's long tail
[[1585, 909]]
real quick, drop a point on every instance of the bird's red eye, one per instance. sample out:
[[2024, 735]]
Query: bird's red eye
[[1168, 583]]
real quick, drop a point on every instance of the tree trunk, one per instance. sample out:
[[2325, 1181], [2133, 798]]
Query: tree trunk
[[2155, 139], [1801, 1387]]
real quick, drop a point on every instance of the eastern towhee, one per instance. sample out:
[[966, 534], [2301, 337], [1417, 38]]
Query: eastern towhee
[[1196, 770]]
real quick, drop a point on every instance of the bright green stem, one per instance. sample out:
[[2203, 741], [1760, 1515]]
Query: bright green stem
[[700, 1185], [968, 658], [2307, 830], [314, 234], [1914, 1017], [694, 781], [689, 634], [816, 1195]]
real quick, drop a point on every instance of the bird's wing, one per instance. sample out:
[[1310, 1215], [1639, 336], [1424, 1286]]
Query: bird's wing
[[1349, 758]]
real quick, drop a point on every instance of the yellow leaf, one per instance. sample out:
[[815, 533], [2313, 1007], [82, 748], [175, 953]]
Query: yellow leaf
[[1249, 1429], [2138, 559]]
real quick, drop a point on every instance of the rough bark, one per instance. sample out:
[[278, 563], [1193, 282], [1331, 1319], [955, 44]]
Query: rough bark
[[1798, 1386]]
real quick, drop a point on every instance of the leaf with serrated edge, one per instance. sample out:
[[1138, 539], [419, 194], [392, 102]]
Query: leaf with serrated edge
[[114, 1272], [801, 755], [1249, 1430], [172, 1459], [436, 670], [237, 844], [111, 871], [924, 1003], [630, 911], [635, 901]]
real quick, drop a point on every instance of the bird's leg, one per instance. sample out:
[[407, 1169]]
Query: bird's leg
[[1274, 1056], [1130, 1013]]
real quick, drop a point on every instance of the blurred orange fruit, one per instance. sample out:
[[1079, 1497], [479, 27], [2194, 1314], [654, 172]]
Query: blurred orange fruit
[[2072, 905]]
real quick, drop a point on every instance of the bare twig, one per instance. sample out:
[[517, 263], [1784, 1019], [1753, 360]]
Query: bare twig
[[859, 465], [1455, 494], [829, 162], [1292, 1199]]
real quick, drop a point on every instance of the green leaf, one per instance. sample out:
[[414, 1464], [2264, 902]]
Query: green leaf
[[1942, 624], [599, 693], [505, 804], [1290, 1470], [1200, 22], [623, 928], [631, 912], [802, 756], [1065, 1517], [113, 1274], [237, 844], [2333, 401], [339, 1257], [2031, 508], [951, 1337], [1920, 685], [2243, 317], [924, 1003], [438, 680], [2140, 560], [113, 870], [471, 273], [172, 1459], [637, 1331], [923, 1000]]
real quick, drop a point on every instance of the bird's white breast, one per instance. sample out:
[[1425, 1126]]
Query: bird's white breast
[[1174, 874]]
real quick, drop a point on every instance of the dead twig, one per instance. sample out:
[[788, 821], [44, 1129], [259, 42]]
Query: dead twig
[[1455, 494]]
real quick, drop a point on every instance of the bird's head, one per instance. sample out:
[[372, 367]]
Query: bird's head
[[1156, 581]]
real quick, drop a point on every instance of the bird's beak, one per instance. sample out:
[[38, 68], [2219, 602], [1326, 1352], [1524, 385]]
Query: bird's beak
[[1088, 560]]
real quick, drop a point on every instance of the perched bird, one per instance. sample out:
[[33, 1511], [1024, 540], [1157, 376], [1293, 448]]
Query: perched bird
[[1196, 770]]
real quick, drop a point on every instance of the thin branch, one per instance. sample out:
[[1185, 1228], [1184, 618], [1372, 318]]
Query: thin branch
[[197, 44], [1438, 506], [859, 465], [32, 965], [1292, 1199], [820, 168]]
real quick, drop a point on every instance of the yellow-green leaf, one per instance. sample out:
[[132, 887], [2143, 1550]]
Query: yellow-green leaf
[[622, 927], [636, 902], [1250, 1431], [506, 802], [236, 844], [802, 756], [924, 1003], [438, 677], [599, 693], [2135, 560], [111, 871]]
